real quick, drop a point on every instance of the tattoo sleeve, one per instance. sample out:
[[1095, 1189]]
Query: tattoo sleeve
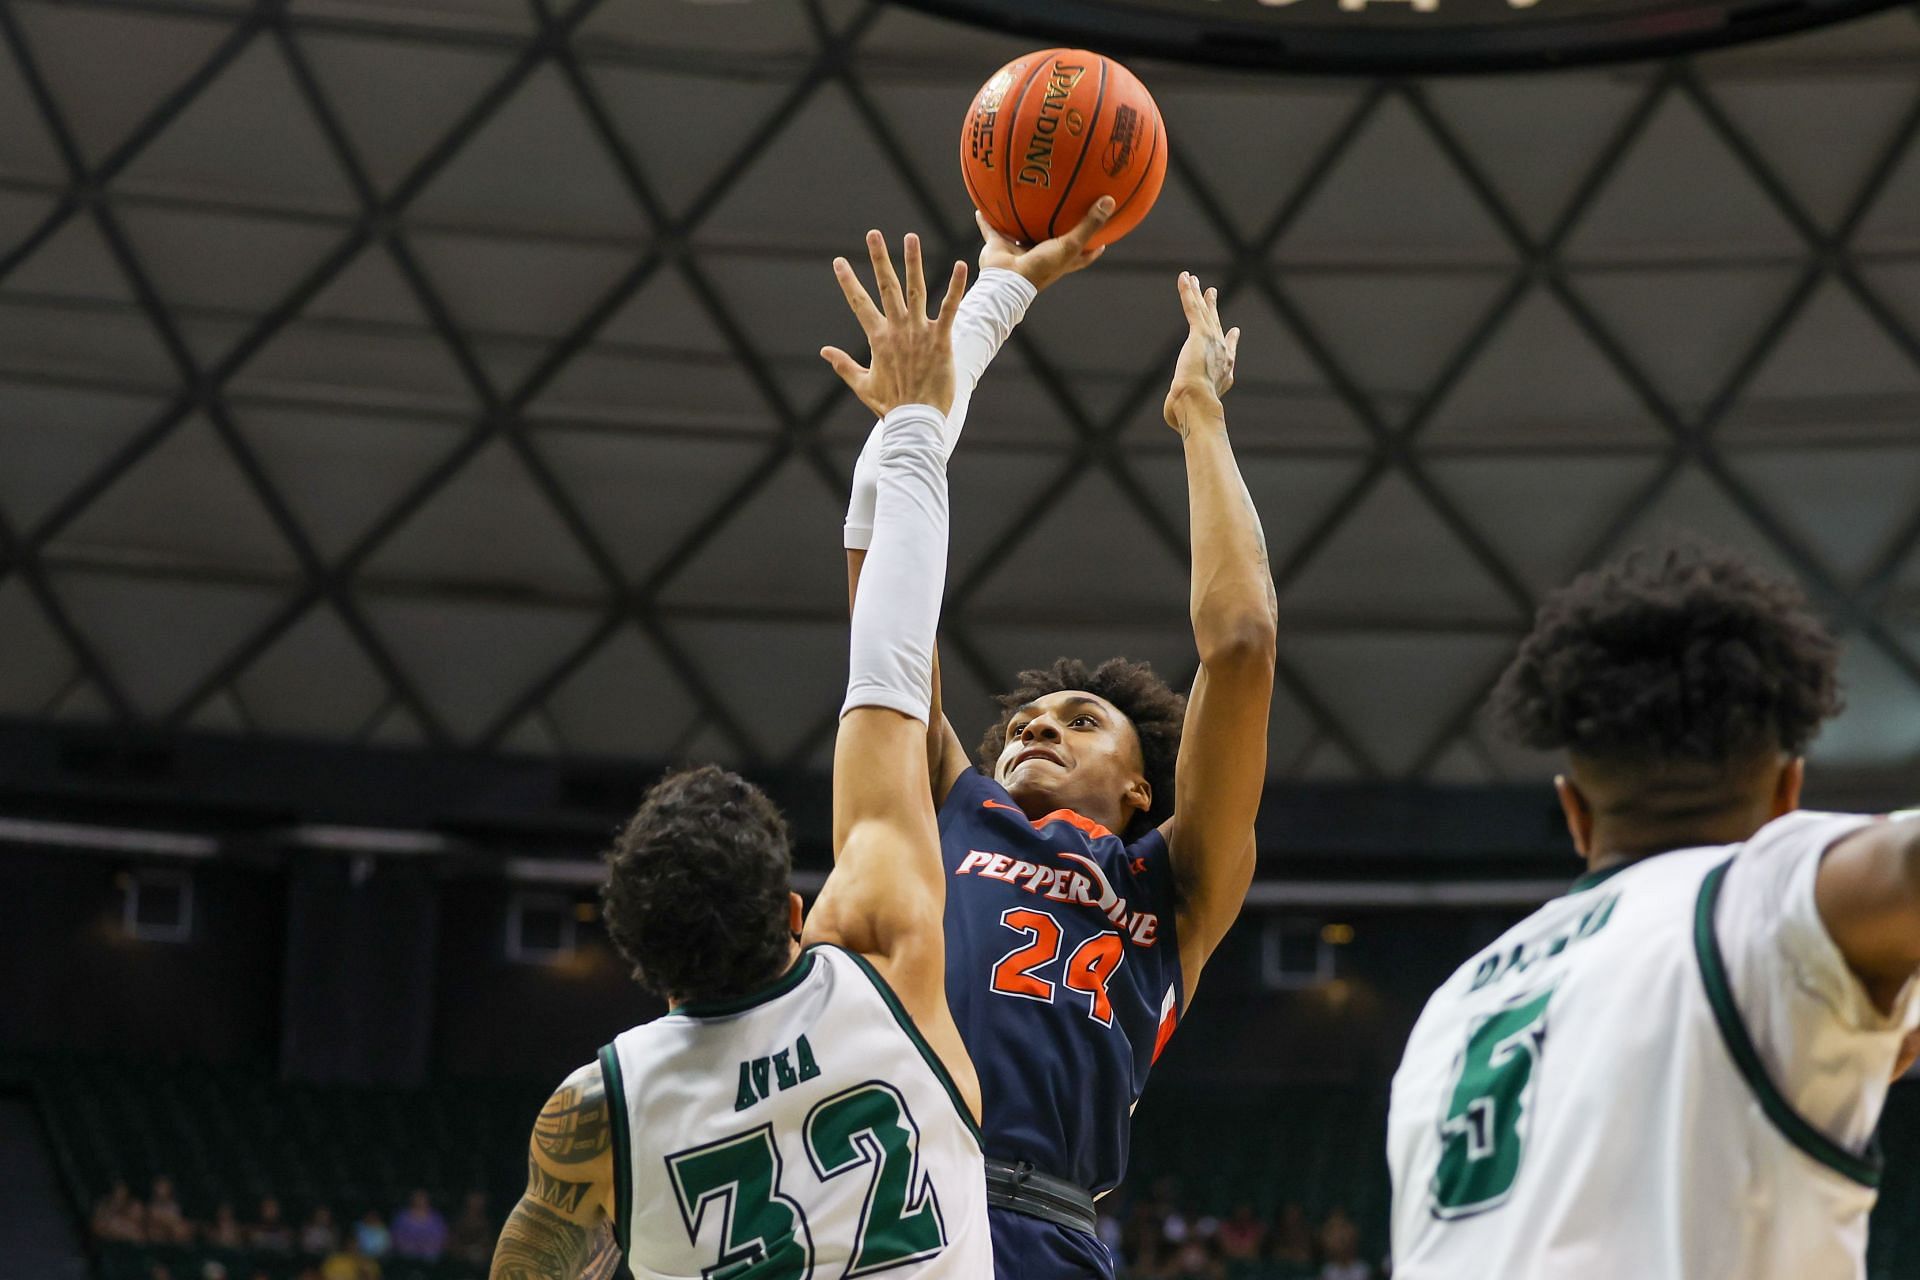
[[555, 1193], [539, 1244], [573, 1127]]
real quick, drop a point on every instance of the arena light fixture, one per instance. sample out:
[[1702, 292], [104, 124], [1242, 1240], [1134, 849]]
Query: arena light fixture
[[1402, 37]]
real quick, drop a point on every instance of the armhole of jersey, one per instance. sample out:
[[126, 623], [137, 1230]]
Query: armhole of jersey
[[616, 1088], [905, 1020], [1864, 1170]]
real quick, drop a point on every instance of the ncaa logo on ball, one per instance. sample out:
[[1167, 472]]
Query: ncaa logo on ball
[[1122, 140]]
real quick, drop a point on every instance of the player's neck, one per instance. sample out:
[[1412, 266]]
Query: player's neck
[[674, 1003], [1616, 844]]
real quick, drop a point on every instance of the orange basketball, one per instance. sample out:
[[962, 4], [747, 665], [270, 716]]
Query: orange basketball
[[1052, 132]]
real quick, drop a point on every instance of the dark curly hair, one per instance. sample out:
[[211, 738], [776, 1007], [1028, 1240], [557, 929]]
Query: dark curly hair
[[1155, 711], [696, 892], [1672, 654]]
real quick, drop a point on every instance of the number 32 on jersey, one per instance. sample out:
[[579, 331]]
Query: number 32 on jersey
[[1484, 1131]]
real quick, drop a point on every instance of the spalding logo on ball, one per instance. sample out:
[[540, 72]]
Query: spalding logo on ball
[[1052, 132]]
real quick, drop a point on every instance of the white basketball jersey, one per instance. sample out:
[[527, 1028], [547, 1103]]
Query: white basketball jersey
[[805, 1131], [1667, 1074]]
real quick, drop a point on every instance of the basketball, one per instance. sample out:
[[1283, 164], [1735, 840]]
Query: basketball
[[1052, 132]]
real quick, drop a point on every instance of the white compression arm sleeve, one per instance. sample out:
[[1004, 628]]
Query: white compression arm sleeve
[[997, 302], [898, 610]]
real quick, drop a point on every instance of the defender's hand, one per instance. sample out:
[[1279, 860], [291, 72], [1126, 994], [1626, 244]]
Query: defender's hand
[[912, 355], [1909, 1054], [1050, 259], [1204, 372]]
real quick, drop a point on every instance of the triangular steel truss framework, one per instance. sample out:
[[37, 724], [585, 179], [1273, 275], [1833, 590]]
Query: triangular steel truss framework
[[670, 244]]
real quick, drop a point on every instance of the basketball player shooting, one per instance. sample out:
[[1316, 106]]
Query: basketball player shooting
[[806, 1107], [1082, 903], [1673, 1072]]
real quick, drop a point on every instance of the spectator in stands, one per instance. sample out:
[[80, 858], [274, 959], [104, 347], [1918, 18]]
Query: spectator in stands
[[1340, 1244], [165, 1223], [1143, 1247], [319, 1237], [1293, 1239], [418, 1230], [1243, 1235], [119, 1218], [270, 1232], [372, 1235], [1194, 1260], [350, 1262], [473, 1234], [158, 1271], [224, 1231]]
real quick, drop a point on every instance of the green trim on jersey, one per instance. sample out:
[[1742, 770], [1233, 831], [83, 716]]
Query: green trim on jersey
[[1593, 878], [901, 1016], [615, 1085], [786, 982], [1864, 1170]]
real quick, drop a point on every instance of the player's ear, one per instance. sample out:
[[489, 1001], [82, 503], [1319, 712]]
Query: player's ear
[[1139, 796], [796, 911], [1578, 811], [1786, 788]]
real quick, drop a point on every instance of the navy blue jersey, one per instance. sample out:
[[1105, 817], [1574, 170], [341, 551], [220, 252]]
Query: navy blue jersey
[[1063, 972]]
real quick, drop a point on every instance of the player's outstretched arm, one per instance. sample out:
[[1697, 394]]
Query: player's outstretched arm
[[887, 893], [562, 1227], [1222, 766], [1868, 893], [1010, 278]]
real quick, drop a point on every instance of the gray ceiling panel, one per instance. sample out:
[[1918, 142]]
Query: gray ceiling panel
[[341, 469], [624, 701], [1537, 138], [1395, 197], [55, 436], [776, 551], [1821, 134], [397, 99], [1846, 504], [185, 507], [158, 637], [1689, 330], [246, 138], [534, 166], [488, 528], [500, 422], [39, 664], [1545, 515], [1679, 193], [315, 682], [469, 687], [76, 264], [111, 69]]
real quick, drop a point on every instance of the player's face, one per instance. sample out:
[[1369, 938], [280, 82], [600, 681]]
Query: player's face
[[1072, 750]]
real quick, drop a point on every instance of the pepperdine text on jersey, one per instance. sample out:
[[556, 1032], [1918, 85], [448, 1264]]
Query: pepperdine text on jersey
[[1056, 884], [1523, 955]]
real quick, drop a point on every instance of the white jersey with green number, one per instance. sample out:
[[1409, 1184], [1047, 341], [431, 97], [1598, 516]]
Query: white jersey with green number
[[1670, 1073], [805, 1131]]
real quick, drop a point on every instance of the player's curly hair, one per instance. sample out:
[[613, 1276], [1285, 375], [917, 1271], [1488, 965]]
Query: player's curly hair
[[1156, 712], [1678, 653], [696, 892]]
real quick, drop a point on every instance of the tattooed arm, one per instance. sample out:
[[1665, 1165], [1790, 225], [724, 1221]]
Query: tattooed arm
[[562, 1228]]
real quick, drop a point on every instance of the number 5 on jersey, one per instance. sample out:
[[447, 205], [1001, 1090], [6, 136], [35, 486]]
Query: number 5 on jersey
[[1483, 1133], [1087, 971]]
